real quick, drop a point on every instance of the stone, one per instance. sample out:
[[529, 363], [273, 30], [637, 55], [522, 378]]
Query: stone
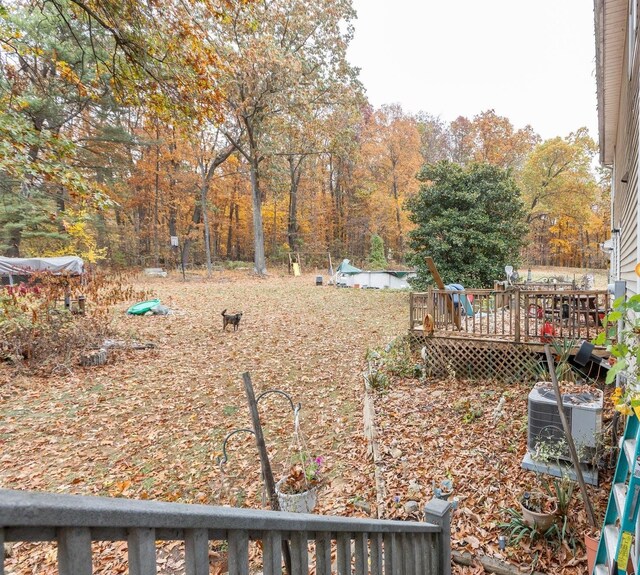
[[414, 489], [395, 453], [411, 506], [364, 505], [155, 272], [113, 343], [94, 357], [160, 310]]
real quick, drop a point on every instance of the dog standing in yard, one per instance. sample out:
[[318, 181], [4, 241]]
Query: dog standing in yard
[[231, 319]]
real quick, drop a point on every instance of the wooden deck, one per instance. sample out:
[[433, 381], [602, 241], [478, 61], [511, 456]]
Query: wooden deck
[[519, 315], [500, 334]]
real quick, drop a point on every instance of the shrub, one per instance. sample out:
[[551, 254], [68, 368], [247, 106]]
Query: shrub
[[469, 219], [37, 331]]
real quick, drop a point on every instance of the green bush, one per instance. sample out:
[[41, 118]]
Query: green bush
[[469, 219]]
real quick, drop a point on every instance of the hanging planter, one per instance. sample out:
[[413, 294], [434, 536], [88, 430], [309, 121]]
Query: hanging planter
[[298, 491], [303, 502]]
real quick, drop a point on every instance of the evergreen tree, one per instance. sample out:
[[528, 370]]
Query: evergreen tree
[[377, 261], [470, 220]]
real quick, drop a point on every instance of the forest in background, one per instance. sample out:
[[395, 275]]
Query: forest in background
[[154, 134]]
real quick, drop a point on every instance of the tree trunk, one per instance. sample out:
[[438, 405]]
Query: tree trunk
[[238, 253], [399, 243], [205, 221], [274, 235], [230, 232], [195, 220], [200, 209], [215, 243], [15, 237], [156, 239], [173, 232], [173, 210], [260, 265], [292, 223]]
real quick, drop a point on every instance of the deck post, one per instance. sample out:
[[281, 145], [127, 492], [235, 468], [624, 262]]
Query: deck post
[[74, 551], [516, 295], [142, 551], [410, 311], [438, 512], [196, 552]]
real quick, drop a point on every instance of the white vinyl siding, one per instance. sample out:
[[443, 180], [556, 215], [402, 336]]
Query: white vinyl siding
[[632, 24], [626, 197]]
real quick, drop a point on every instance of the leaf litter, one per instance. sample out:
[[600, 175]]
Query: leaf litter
[[150, 423]]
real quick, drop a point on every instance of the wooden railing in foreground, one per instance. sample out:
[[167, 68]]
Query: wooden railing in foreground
[[373, 546], [514, 314]]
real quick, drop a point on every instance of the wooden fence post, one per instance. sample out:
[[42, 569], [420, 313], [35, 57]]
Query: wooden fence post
[[74, 551], [410, 311], [267, 474]]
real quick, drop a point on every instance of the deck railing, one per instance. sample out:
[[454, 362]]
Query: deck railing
[[514, 314], [362, 546]]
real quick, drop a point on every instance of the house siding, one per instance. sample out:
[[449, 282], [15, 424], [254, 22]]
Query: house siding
[[625, 204]]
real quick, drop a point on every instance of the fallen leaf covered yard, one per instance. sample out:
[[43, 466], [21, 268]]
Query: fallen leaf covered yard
[[73, 424], [148, 423]]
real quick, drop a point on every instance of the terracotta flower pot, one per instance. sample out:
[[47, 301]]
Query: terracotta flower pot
[[591, 543], [541, 521]]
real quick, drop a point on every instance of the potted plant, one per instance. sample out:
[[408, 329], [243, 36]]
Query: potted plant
[[297, 492], [591, 541], [538, 509], [625, 351]]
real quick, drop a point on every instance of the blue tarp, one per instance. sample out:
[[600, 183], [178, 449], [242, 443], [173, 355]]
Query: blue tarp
[[466, 304]]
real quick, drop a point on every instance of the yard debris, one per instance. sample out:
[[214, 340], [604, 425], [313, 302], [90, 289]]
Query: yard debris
[[94, 357], [155, 272], [497, 412], [395, 453], [110, 343], [143, 307], [160, 310], [364, 505], [414, 490], [411, 507]]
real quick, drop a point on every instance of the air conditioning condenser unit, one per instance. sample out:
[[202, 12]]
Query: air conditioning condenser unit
[[583, 410]]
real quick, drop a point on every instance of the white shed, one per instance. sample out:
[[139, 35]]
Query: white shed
[[350, 276]]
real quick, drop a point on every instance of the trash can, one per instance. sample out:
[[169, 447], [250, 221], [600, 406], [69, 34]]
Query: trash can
[[318, 280]]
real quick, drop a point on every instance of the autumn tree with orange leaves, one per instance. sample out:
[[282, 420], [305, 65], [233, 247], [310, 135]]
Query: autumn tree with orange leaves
[[223, 130]]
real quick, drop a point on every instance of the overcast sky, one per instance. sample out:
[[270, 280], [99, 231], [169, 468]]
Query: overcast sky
[[532, 61]]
